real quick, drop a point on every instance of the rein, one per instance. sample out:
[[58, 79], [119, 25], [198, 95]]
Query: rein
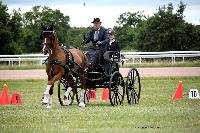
[[65, 66], [57, 62]]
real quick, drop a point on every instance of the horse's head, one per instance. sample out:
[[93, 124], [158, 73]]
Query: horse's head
[[48, 37]]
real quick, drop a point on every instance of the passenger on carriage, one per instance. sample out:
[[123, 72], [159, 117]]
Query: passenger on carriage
[[112, 54], [99, 38], [114, 45]]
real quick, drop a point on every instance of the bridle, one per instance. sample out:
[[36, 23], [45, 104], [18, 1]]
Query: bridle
[[44, 35]]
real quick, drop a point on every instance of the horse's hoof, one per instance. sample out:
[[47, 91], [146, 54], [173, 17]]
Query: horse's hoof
[[66, 102], [48, 107], [82, 105], [44, 101]]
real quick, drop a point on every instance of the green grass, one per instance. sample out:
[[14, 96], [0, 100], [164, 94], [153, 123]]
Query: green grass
[[23, 66], [156, 109]]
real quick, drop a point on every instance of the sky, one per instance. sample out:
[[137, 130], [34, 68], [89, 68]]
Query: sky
[[107, 10]]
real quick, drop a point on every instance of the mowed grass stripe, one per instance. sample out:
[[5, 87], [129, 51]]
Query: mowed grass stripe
[[155, 112]]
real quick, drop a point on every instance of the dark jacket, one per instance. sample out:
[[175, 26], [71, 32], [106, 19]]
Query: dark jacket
[[103, 38], [115, 47]]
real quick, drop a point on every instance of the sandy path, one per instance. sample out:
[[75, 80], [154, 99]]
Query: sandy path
[[144, 72]]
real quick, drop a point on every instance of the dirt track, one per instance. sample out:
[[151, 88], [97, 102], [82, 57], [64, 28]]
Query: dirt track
[[144, 72]]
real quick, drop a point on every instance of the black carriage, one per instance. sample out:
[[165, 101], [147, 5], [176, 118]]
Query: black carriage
[[105, 74]]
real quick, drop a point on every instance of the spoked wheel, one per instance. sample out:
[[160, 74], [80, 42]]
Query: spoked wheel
[[116, 89], [62, 88], [133, 86]]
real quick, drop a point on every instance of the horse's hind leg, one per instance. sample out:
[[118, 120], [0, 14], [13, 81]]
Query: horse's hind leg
[[82, 94]]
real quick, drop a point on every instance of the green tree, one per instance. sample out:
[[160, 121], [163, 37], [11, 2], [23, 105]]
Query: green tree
[[75, 36], [32, 21], [127, 30], [161, 31], [10, 28], [167, 30]]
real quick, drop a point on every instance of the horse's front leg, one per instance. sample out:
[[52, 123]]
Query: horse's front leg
[[71, 84], [49, 89], [47, 97]]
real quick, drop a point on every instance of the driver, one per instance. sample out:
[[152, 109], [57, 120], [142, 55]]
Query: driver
[[99, 38]]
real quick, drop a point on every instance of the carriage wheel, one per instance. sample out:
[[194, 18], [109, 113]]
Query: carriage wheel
[[116, 89], [62, 88], [133, 86]]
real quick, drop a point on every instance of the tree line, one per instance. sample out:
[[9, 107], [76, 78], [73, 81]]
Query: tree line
[[165, 30]]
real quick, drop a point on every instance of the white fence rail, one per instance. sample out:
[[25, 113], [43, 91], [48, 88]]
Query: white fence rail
[[21, 58], [128, 55], [156, 55]]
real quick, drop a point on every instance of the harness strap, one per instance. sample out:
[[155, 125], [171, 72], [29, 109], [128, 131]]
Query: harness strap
[[70, 60], [57, 62], [66, 67]]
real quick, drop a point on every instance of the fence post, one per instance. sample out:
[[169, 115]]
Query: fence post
[[174, 59], [41, 62], [19, 61]]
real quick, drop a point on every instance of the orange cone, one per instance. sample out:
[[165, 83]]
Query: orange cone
[[4, 95], [105, 94], [92, 95], [16, 99], [178, 93], [0, 99]]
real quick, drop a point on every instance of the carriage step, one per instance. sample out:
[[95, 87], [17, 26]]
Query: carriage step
[[94, 73]]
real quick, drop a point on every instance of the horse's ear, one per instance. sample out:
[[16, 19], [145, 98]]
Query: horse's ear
[[43, 27], [51, 27]]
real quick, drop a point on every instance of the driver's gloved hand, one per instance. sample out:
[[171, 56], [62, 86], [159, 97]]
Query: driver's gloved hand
[[98, 43]]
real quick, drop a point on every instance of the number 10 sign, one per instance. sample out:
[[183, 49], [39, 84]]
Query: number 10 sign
[[194, 94]]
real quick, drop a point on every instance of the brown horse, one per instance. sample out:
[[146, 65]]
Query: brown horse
[[58, 57]]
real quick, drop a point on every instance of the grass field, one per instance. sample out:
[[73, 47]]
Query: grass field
[[156, 112]]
